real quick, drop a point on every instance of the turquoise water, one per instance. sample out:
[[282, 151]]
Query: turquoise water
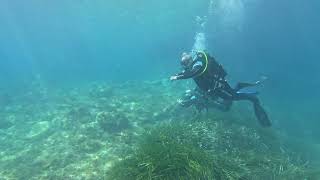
[[54, 54]]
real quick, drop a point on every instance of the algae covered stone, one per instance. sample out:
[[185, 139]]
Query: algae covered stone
[[112, 122], [80, 114]]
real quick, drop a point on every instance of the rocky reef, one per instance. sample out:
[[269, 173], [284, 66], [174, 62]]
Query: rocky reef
[[136, 130]]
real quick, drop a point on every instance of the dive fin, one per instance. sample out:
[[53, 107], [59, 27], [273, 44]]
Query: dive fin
[[262, 115], [248, 92], [242, 85]]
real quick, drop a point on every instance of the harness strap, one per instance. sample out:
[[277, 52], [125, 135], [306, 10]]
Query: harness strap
[[206, 63]]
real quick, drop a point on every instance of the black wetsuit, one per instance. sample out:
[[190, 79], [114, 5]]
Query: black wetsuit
[[209, 76]]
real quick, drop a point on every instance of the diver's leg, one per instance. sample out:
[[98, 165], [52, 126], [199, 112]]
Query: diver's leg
[[260, 113], [221, 104], [242, 85], [226, 105], [222, 99], [238, 96]]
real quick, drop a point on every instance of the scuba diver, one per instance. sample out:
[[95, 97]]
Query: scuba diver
[[209, 76]]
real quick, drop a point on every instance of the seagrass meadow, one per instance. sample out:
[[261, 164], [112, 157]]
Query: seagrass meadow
[[135, 130], [99, 89]]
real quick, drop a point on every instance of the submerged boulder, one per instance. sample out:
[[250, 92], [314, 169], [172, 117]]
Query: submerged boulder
[[112, 122], [102, 91], [80, 114]]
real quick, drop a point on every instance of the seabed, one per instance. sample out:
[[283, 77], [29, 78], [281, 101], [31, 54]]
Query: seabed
[[135, 130]]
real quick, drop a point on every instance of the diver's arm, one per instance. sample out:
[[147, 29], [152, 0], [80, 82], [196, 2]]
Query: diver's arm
[[175, 77], [186, 74], [195, 71], [190, 74]]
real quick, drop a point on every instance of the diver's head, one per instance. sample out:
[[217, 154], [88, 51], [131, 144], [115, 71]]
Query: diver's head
[[186, 60]]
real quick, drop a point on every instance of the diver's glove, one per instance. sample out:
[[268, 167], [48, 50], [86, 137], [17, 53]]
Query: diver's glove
[[173, 78]]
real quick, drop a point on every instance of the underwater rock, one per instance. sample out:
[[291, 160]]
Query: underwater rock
[[38, 130], [111, 122], [101, 91], [80, 114]]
